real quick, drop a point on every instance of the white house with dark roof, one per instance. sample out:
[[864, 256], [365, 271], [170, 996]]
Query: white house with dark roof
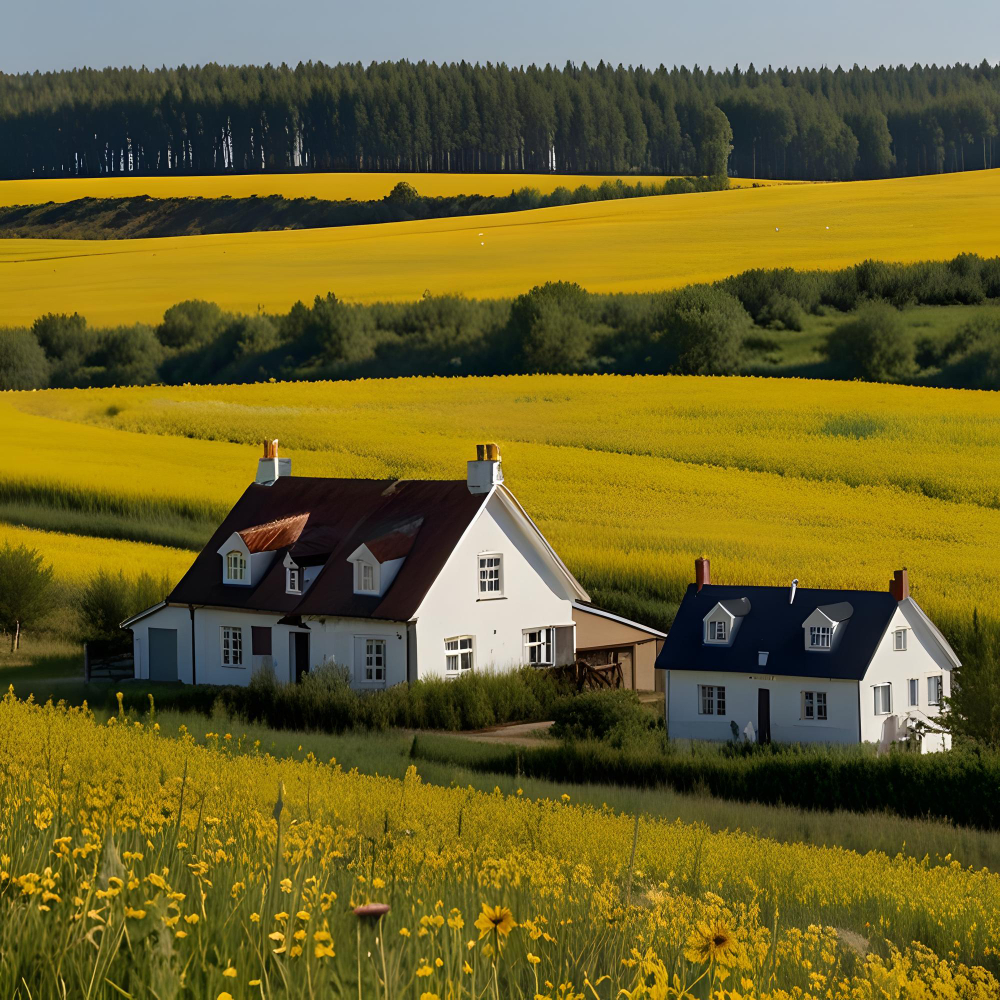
[[795, 664], [393, 580]]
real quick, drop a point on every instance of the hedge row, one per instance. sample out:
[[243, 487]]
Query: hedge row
[[960, 785]]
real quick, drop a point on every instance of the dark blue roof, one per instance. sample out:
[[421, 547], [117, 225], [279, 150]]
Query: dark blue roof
[[774, 626]]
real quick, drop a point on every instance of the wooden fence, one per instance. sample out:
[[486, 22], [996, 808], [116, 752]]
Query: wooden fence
[[105, 660]]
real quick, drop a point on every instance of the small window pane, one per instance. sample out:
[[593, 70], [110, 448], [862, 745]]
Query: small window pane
[[489, 575], [717, 631], [367, 576], [375, 660], [821, 636], [883, 699], [934, 688], [899, 639], [914, 691], [820, 704]]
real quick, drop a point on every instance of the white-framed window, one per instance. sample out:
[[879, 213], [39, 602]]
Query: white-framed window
[[711, 699], [935, 689], [236, 566], [538, 647], [913, 691], [458, 655], [232, 646], [366, 578], [814, 705], [293, 580], [374, 668], [717, 631], [883, 699], [820, 636], [490, 574], [899, 640]]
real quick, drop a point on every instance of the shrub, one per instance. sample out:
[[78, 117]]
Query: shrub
[[874, 345], [190, 324], [596, 714], [107, 599], [702, 331], [23, 364]]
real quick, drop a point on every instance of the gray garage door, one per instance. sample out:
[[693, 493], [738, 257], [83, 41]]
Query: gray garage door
[[163, 654]]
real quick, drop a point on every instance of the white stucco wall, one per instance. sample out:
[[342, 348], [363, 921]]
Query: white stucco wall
[[922, 658], [331, 639], [684, 722], [534, 596]]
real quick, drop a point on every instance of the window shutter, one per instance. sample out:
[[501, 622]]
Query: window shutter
[[359, 660], [261, 640], [564, 645]]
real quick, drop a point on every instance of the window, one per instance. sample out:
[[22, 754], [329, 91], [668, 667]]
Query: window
[[814, 705], [883, 699], [899, 640], [293, 583], [232, 646], [711, 699], [820, 636], [716, 631], [538, 647], [366, 578], [374, 661], [458, 655], [914, 691], [491, 575], [236, 566], [934, 690]]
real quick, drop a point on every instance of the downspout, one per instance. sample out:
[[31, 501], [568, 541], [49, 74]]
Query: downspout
[[194, 674], [860, 740]]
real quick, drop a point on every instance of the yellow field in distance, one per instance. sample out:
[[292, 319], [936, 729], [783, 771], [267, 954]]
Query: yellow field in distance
[[835, 483], [639, 244], [329, 187]]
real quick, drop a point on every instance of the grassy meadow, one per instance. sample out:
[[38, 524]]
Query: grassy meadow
[[837, 484], [359, 186], [639, 244]]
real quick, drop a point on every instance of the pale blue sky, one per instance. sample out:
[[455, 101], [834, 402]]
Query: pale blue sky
[[61, 34]]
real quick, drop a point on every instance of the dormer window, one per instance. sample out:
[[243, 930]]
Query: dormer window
[[236, 567], [820, 636], [293, 580], [716, 631], [722, 622]]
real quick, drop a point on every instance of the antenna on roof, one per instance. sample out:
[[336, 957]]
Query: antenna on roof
[[791, 592]]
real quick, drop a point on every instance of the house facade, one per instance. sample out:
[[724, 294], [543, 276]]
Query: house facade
[[801, 665], [392, 580]]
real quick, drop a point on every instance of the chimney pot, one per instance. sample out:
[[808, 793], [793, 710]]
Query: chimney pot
[[791, 592], [702, 572], [270, 468], [899, 585]]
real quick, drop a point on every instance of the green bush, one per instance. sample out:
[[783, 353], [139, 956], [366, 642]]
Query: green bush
[[596, 715], [107, 599], [23, 364], [873, 345]]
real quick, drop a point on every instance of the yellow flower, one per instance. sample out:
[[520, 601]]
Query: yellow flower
[[534, 959], [424, 970], [495, 919], [467, 969], [710, 943], [429, 996], [225, 996], [404, 931], [229, 972]]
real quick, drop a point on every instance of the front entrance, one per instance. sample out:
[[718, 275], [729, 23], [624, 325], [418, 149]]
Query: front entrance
[[163, 654], [300, 654], [763, 715]]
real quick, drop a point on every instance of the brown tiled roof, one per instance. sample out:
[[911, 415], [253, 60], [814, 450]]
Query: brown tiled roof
[[396, 544], [275, 534], [340, 515]]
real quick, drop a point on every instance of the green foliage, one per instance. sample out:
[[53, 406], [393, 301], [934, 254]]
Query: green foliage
[[23, 364], [704, 328], [551, 328], [874, 345], [27, 593], [108, 598], [973, 710], [190, 324]]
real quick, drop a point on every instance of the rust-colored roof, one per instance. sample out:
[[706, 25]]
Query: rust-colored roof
[[338, 515], [396, 544], [275, 534]]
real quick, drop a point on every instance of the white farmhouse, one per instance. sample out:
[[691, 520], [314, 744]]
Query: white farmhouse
[[393, 580], [800, 665]]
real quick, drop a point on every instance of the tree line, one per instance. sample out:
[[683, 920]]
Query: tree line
[[728, 328], [811, 124]]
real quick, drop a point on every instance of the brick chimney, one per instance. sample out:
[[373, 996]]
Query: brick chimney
[[270, 468], [899, 585], [702, 572], [486, 471]]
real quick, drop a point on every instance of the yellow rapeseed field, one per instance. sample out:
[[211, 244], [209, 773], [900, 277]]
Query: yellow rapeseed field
[[329, 187], [835, 483], [75, 558], [132, 864], [631, 245]]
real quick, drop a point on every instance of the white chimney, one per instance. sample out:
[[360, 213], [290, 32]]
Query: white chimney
[[270, 468], [791, 592], [485, 472]]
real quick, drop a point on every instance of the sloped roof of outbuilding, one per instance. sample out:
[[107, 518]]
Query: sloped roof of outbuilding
[[337, 516], [774, 626]]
